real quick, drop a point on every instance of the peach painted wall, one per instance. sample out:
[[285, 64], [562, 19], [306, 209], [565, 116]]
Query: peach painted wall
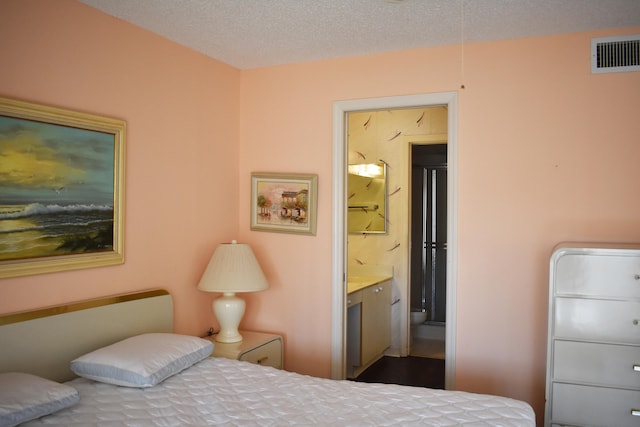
[[181, 110], [547, 153]]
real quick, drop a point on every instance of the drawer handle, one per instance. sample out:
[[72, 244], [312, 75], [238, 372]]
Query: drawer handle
[[636, 368], [262, 360], [637, 277], [636, 321], [635, 412]]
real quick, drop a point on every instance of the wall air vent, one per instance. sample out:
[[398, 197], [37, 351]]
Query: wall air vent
[[615, 54]]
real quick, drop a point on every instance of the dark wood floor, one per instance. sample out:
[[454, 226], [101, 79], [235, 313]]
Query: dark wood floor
[[413, 371]]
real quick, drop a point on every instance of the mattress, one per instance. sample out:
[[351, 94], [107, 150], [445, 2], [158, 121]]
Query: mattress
[[224, 392]]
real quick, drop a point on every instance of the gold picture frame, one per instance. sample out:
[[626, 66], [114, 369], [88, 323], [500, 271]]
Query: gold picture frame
[[62, 198], [284, 203]]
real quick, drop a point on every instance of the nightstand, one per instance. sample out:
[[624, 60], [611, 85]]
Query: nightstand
[[255, 347]]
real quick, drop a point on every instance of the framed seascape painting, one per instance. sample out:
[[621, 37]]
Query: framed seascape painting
[[284, 203], [61, 189]]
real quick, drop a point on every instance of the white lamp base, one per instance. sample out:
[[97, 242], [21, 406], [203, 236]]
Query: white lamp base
[[229, 310]]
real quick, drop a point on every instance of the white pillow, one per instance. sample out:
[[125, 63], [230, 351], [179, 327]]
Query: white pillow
[[25, 397], [142, 361]]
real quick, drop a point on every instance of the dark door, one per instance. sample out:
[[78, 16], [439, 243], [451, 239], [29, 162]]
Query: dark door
[[429, 231]]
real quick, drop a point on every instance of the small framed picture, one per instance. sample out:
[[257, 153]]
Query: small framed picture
[[284, 203]]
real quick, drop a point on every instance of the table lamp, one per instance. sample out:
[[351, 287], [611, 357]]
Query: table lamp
[[232, 268]]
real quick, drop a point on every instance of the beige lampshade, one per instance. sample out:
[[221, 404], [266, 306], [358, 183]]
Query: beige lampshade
[[233, 268]]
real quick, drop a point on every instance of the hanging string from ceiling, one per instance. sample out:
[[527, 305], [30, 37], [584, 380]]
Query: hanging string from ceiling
[[462, 44]]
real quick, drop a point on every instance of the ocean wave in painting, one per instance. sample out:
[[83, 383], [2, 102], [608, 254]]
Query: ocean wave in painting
[[21, 211], [36, 230]]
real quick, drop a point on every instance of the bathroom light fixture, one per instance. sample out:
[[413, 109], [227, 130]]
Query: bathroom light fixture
[[368, 170], [232, 268]]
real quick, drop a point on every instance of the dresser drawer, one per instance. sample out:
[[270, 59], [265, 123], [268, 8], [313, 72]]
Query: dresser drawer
[[269, 354], [594, 406], [604, 364], [598, 320], [599, 275]]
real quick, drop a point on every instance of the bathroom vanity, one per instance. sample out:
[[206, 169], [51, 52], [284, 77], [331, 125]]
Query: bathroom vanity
[[368, 317]]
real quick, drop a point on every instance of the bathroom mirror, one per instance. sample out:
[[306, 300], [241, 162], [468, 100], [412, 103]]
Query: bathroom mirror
[[367, 198]]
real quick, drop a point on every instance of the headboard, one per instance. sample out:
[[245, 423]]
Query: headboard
[[43, 342]]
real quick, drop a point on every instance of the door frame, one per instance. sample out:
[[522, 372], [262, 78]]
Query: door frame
[[339, 243]]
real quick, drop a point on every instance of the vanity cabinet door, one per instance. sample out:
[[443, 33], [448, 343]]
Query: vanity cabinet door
[[376, 321]]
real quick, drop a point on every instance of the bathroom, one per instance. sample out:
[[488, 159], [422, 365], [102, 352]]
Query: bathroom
[[387, 138]]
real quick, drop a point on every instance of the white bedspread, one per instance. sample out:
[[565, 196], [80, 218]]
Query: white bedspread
[[224, 392]]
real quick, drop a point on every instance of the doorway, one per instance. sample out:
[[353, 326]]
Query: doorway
[[428, 286], [339, 252]]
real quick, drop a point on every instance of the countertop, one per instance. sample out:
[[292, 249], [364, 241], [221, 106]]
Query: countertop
[[355, 283]]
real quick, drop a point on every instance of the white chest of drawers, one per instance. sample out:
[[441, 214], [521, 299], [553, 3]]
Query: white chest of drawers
[[593, 348]]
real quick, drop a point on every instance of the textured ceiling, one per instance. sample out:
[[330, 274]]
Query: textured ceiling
[[258, 33]]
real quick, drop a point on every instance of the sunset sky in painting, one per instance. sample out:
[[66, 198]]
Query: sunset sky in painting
[[47, 163]]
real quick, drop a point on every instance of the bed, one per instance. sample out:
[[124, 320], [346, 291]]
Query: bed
[[115, 362]]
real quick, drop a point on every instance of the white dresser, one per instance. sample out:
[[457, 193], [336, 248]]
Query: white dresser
[[593, 348]]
